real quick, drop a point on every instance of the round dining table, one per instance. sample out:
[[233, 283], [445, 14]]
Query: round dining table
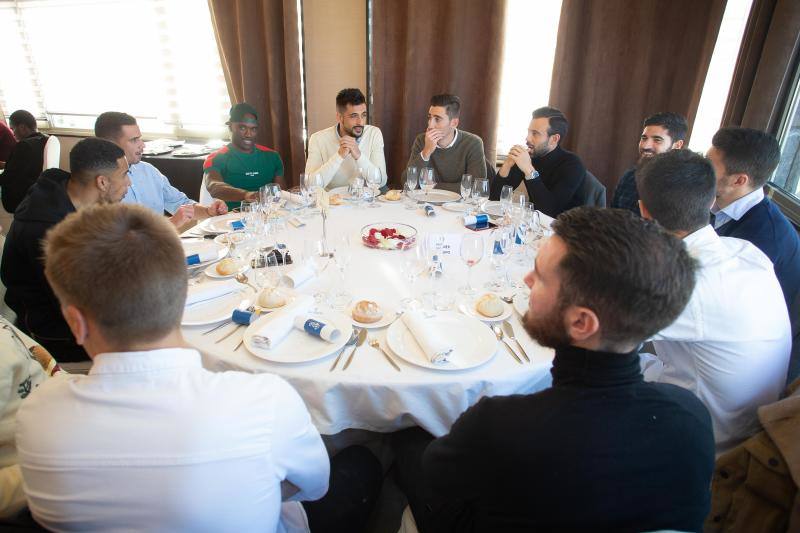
[[371, 394]]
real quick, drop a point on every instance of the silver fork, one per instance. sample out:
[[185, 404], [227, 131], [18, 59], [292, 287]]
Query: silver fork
[[499, 334], [351, 341]]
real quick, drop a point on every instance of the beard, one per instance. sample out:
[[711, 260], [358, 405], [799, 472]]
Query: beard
[[549, 329], [538, 150], [643, 156], [353, 133]]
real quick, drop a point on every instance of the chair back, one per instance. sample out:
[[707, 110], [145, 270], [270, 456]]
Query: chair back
[[52, 153], [593, 193]]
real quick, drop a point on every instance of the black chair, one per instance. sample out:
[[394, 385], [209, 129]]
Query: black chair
[[592, 192]]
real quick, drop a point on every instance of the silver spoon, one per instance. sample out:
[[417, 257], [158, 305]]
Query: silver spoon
[[499, 334]]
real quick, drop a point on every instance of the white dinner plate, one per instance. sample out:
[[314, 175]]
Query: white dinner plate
[[219, 224], [211, 271], [492, 208], [389, 314], [217, 309], [192, 247], [521, 302], [437, 196], [458, 207], [469, 309], [299, 346], [474, 343]]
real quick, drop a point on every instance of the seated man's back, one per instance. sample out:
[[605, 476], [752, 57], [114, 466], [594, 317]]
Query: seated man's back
[[597, 451], [152, 441]]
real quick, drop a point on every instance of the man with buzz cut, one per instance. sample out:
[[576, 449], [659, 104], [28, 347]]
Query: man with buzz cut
[[98, 175], [149, 186], [449, 151], [235, 172], [730, 345], [661, 133], [349, 148]]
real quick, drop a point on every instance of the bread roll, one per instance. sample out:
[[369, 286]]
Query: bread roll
[[489, 305], [271, 298], [227, 267], [367, 312], [394, 195]]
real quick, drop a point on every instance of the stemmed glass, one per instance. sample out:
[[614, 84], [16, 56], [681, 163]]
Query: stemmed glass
[[412, 177], [506, 199], [471, 254], [373, 179], [427, 180], [480, 193], [413, 263], [466, 188], [501, 239], [306, 192], [342, 255], [315, 256]]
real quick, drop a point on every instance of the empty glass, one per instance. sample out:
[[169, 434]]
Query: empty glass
[[501, 246], [409, 198], [342, 255], [373, 179], [480, 193], [412, 177], [315, 256], [466, 187], [427, 179], [471, 254], [506, 199], [413, 263]]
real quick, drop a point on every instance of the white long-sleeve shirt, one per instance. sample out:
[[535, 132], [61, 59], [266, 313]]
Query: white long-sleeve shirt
[[731, 344], [324, 158], [151, 441]]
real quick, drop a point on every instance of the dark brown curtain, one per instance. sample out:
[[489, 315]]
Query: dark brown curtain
[[764, 69], [423, 47], [618, 62], [259, 47]]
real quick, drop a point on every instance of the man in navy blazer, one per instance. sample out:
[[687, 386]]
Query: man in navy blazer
[[743, 161]]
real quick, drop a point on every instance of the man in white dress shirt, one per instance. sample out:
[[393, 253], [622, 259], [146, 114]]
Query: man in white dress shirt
[[349, 148], [149, 440], [730, 346]]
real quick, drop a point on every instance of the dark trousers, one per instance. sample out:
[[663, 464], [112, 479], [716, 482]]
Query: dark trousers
[[432, 514], [356, 479]]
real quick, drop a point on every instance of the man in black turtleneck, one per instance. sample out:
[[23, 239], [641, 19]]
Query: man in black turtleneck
[[553, 176], [600, 450]]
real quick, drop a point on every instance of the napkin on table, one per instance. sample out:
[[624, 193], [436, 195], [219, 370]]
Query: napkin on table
[[435, 347], [297, 276], [209, 291], [281, 323], [200, 254], [316, 328]]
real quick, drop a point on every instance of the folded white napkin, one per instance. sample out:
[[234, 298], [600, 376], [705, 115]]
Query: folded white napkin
[[316, 328], [291, 197], [204, 252], [435, 347], [209, 291], [280, 323], [297, 276]]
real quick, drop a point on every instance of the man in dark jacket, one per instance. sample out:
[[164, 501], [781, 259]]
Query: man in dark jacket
[[25, 162], [601, 450], [553, 176], [99, 175]]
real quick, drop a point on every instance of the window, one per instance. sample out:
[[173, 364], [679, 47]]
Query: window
[[519, 89], [155, 59], [787, 175], [720, 73]]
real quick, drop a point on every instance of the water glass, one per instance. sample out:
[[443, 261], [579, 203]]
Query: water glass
[[315, 256], [471, 254], [373, 180], [480, 193], [413, 263], [506, 198], [501, 246], [427, 179], [342, 255], [412, 177], [409, 197]]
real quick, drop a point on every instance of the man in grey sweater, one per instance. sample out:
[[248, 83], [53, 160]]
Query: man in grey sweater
[[449, 151]]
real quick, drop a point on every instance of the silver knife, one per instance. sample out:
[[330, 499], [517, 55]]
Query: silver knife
[[509, 330], [362, 336]]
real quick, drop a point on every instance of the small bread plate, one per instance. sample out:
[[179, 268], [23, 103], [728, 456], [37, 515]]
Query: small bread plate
[[473, 343], [437, 196], [211, 271], [389, 315], [457, 207], [470, 309], [220, 224], [298, 346]]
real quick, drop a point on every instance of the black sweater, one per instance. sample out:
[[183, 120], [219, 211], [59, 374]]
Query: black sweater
[[600, 450], [557, 189], [22, 168]]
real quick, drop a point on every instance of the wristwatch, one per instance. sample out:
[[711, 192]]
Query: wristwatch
[[533, 175]]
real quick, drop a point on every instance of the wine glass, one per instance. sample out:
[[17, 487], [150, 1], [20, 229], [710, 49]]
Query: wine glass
[[427, 179], [466, 187], [412, 177], [480, 193], [506, 199], [471, 254], [314, 255], [413, 262], [373, 179], [342, 255]]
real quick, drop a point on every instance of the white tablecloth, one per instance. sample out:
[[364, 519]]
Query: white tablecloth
[[371, 395]]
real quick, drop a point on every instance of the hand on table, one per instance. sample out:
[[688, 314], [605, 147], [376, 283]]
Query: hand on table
[[432, 138], [184, 214], [520, 156], [217, 207]]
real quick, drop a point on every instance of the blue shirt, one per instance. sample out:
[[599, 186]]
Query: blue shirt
[[152, 189]]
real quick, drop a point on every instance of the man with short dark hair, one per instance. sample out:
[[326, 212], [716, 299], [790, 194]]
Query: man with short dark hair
[[26, 160], [730, 346], [449, 151], [149, 186], [99, 174], [661, 133], [348, 148], [553, 176], [151, 441], [743, 161], [235, 172], [584, 454]]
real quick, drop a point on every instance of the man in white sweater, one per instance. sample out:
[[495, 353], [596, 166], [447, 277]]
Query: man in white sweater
[[350, 148]]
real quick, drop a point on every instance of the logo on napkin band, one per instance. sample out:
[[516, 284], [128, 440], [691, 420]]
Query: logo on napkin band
[[313, 327]]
